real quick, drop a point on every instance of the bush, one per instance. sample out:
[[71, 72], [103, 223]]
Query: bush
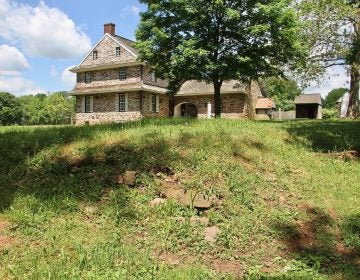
[[330, 113]]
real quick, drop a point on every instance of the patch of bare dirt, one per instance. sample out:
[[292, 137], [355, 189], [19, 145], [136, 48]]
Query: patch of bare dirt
[[234, 268], [4, 240]]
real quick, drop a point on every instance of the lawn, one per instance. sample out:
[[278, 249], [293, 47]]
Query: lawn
[[287, 200]]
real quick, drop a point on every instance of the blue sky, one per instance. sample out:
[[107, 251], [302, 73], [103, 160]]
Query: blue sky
[[40, 40]]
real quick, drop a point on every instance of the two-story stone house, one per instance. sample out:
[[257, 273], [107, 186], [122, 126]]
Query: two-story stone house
[[114, 86]]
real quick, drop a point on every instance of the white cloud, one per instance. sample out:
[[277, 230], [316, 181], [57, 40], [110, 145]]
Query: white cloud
[[18, 85], [335, 77], [41, 31], [11, 59], [68, 77], [130, 10]]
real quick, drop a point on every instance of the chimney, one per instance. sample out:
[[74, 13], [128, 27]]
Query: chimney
[[109, 28]]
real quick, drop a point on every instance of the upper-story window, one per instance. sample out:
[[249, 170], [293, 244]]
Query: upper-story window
[[153, 76], [95, 55], [122, 74], [118, 51], [88, 77]]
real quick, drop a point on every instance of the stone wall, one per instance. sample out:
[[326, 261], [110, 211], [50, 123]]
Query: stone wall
[[107, 53], [233, 105], [110, 77], [163, 106], [104, 108], [147, 79]]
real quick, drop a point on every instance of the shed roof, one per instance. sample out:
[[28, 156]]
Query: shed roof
[[265, 103], [314, 98], [194, 87]]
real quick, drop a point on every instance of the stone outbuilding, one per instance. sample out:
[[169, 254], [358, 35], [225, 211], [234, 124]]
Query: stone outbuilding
[[308, 106], [264, 108]]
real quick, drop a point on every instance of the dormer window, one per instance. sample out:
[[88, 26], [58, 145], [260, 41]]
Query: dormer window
[[118, 51], [95, 55], [122, 74]]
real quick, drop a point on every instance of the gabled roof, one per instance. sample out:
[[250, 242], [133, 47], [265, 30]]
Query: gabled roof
[[314, 98], [265, 103], [123, 42], [194, 87]]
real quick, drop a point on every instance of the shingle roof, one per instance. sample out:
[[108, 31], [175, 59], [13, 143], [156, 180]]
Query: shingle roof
[[128, 43], [265, 103], [314, 98], [194, 87]]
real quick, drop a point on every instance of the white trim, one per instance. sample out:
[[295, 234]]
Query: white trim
[[91, 104], [102, 38], [117, 109], [82, 104], [157, 104]]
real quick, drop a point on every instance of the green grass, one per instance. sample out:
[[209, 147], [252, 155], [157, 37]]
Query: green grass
[[289, 200]]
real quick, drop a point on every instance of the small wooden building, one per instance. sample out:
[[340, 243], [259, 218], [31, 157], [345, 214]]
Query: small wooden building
[[264, 108], [308, 106]]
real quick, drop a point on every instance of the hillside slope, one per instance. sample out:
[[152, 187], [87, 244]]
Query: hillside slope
[[285, 201]]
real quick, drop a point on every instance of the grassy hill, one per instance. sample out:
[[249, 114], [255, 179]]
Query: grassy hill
[[287, 200]]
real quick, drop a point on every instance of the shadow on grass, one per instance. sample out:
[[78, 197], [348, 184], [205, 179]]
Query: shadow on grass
[[47, 177], [320, 244], [326, 136]]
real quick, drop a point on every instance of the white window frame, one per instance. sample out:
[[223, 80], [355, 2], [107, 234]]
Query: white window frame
[[89, 76], [154, 105], [121, 102], [153, 76], [122, 74], [95, 55], [87, 104], [118, 51]]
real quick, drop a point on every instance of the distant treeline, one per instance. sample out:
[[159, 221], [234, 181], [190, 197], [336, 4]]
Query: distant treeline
[[55, 108]]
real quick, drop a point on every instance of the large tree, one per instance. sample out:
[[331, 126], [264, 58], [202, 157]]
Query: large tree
[[10, 109], [332, 31], [217, 40]]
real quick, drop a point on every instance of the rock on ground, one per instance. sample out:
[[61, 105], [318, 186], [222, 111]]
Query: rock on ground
[[211, 233]]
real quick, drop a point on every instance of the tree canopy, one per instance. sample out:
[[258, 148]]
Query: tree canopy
[[10, 109], [282, 90], [332, 31], [218, 40], [333, 96]]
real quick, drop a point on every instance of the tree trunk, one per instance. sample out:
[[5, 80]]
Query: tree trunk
[[251, 102], [353, 110], [171, 105], [217, 98]]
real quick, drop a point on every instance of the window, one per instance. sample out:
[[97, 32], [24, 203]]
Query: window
[[78, 77], [153, 77], [122, 102], [88, 104], [118, 51], [154, 103], [88, 77], [122, 74], [95, 55]]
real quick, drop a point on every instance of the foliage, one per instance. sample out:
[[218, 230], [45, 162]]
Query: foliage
[[55, 108], [283, 91], [10, 110], [332, 31], [333, 96], [278, 186], [331, 113], [217, 41]]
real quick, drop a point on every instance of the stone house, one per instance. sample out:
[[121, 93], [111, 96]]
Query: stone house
[[112, 85], [308, 106]]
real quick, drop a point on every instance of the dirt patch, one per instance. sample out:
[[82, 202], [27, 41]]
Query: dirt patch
[[4, 240], [234, 268]]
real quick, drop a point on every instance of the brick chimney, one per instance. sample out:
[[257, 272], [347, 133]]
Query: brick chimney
[[109, 28]]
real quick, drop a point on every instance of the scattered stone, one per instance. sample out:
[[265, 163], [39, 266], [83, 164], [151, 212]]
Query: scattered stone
[[119, 179], [176, 194], [157, 201], [200, 201], [129, 178], [201, 220], [211, 233], [90, 210]]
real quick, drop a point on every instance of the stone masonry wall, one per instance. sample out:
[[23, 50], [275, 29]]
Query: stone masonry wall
[[107, 53], [110, 77], [233, 105], [163, 106], [147, 78]]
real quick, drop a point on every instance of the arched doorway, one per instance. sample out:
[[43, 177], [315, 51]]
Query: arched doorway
[[186, 110]]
